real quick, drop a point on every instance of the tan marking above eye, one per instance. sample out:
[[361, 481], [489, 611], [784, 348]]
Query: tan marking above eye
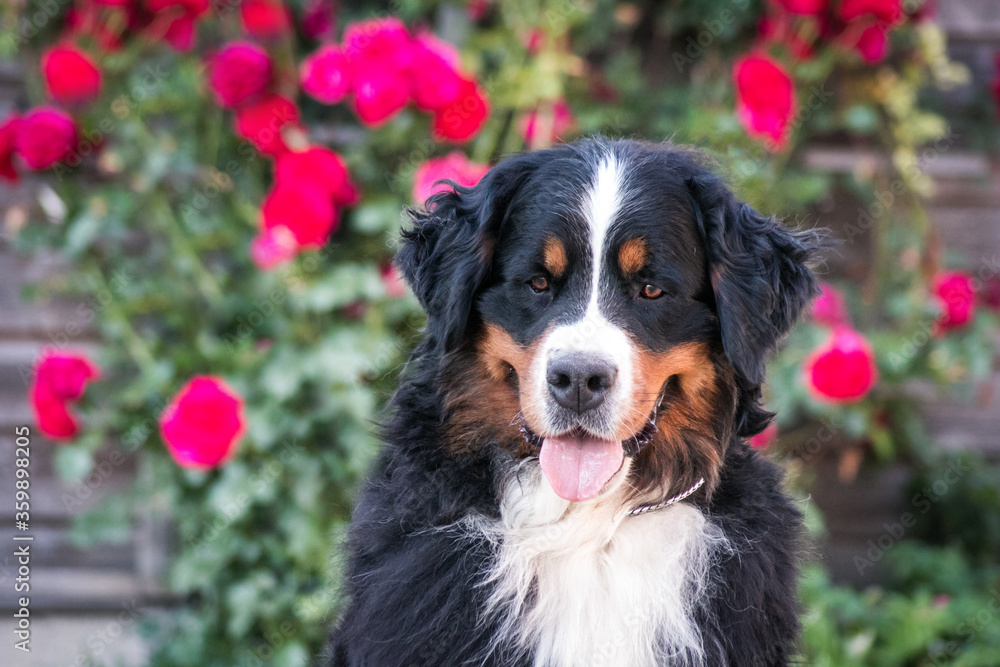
[[554, 257], [633, 255]]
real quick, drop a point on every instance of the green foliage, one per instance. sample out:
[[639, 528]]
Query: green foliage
[[940, 599], [966, 511], [938, 609]]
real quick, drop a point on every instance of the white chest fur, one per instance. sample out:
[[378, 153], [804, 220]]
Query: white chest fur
[[586, 584]]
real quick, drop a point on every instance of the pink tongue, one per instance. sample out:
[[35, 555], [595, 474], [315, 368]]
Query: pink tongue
[[578, 468]]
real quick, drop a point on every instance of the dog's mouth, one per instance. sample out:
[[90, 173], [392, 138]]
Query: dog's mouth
[[578, 465], [630, 446]]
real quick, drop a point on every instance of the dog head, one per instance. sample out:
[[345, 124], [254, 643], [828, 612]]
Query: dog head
[[608, 306]]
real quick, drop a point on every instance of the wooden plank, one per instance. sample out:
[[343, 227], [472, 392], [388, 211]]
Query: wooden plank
[[973, 232], [51, 548], [51, 498], [97, 638], [969, 19], [950, 164], [61, 322], [968, 193], [75, 588]]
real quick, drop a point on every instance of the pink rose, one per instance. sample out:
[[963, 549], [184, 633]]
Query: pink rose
[[301, 209], [829, 308], [326, 75], [203, 424], [461, 120], [239, 73], [60, 379], [44, 137], [765, 99], [71, 77], [436, 77], [955, 294], [841, 370], [454, 167]]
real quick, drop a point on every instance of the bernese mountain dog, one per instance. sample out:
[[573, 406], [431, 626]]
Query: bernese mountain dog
[[565, 478]]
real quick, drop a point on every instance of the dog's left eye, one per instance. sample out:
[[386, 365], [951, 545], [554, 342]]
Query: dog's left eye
[[651, 292], [539, 284]]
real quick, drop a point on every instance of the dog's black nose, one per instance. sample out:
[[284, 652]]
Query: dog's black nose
[[580, 382]]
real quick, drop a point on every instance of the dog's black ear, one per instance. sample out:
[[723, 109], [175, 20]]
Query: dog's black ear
[[448, 254], [761, 283]]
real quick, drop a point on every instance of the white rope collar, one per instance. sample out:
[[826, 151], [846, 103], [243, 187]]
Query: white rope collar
[[642, 509]]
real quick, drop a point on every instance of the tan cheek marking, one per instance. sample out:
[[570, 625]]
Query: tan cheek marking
[[498, 350], [632, 256], [482, 403], [684, 447], [554, 257], [689, 362]]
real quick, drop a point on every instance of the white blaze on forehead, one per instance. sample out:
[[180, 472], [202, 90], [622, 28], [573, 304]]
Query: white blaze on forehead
[[601, 204], [593, 333]]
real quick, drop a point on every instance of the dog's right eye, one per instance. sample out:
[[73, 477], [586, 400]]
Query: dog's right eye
[[539, 284]]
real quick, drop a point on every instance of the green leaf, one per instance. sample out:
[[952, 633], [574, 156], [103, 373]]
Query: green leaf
[[81, 233], [72, 464]]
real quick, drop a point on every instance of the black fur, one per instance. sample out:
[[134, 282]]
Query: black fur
[[761, 283], [412, 583]]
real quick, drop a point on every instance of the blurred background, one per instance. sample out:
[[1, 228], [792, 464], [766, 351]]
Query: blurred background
[[199, 320]]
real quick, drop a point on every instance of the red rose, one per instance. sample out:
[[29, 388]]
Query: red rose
[[765, 99], [273, 247], [44, 137], [239, 73], [829, 308], [453, 167], [265, 19], [320, 169], [175, 20], [71, 77], [436, 79], [873, 43], [765, 438], [326, 75], [888, 11], [305, 211], [379, 95], [560, 123], [381, 55], [8, 134], [203, 424], [60, 379], [841, 370], [262, 122], [956, 297], [806, 7], [462, 119]]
